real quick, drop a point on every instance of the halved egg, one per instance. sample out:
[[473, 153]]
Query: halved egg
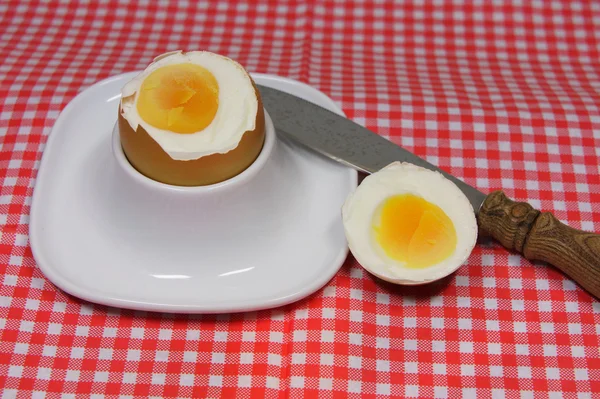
[[409, 225], [191, 119]]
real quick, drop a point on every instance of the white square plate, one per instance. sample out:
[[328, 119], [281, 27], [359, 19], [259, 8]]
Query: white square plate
[[98, 237]]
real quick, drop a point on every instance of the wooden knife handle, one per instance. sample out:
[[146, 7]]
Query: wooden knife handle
[[540, 236]]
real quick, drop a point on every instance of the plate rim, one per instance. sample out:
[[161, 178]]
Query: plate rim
[[57, 279]]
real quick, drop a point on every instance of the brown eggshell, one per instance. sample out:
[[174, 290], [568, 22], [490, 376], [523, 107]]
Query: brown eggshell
[[148, 157]]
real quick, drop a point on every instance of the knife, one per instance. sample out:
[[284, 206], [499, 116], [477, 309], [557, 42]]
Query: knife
[[516, 225]]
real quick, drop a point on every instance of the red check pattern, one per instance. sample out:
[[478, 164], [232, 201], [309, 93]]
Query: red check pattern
[[505, 95]]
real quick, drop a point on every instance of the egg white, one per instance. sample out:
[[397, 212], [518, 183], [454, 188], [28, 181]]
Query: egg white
[[236, 113], [404, 178]]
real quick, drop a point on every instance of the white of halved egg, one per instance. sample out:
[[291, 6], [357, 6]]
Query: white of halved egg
[[408, 184]]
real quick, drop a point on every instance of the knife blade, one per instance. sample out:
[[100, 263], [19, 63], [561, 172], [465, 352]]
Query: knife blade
[[516, 225], [343, 140]]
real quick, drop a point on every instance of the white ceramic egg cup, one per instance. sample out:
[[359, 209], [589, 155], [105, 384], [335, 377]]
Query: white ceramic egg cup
[[103, 232]]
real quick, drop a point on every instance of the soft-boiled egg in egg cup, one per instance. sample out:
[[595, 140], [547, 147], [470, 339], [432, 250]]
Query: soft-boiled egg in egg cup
[[191, 119], [409, 225]]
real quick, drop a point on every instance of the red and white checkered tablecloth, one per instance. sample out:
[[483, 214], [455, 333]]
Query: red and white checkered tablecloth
[[504, 94]]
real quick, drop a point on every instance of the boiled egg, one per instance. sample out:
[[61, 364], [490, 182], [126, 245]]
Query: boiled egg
[[191, 118], [409, 225]]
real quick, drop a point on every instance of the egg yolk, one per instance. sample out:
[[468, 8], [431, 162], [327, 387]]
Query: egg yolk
[[181, 98], [414, 231]]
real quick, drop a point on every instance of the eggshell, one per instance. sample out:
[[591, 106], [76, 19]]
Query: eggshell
[[147, 156]]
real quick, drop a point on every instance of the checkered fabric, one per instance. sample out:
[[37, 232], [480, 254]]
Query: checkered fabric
[[505, 95]]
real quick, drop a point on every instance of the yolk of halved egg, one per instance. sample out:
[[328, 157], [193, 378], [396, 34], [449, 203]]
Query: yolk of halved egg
[[413, 231], [182, 98]]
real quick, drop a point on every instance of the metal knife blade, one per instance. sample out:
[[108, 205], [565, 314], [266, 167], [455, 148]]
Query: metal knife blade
[[343, 140]]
